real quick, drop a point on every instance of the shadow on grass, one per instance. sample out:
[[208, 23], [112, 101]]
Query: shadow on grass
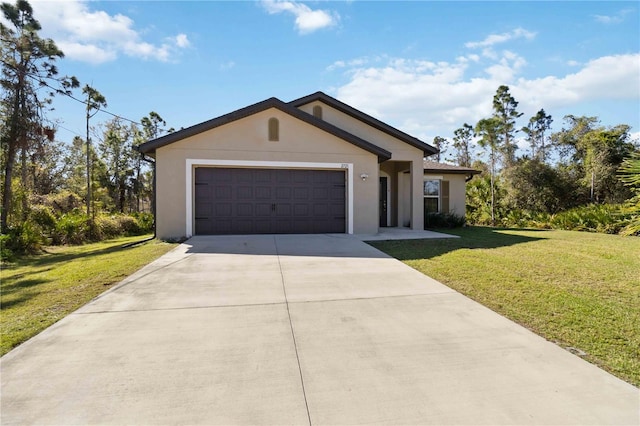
[[25, 296], [470, 238], [22, 287], [48, 259]]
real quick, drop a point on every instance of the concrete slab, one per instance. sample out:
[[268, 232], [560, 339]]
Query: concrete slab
[[233, 365], [255, 329], [444, 359], [385, 234]]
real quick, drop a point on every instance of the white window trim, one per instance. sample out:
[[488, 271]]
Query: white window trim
[[192, 163], [439, 196]]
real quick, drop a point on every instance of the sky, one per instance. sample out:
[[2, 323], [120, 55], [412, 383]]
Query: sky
[[425, 67]]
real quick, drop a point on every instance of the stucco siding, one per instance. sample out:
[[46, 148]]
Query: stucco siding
[[457, 193], [400, 150], [247, 140]]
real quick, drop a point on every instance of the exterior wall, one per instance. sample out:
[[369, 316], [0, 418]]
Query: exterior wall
[[401, 151], [247, 140], [457, 193], [457, 190]]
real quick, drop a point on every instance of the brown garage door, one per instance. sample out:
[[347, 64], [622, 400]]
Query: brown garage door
[[269, 201]]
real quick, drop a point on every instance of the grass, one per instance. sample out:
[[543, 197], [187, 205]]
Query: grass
[[579, 290], [37, 291]]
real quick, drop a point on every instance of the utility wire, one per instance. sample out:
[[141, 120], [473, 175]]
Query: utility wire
[[69, 95]]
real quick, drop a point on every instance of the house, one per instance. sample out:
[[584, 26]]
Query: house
[[445, 187], [312, 165]]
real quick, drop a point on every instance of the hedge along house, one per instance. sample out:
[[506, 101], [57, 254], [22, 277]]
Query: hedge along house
[[313, 165]]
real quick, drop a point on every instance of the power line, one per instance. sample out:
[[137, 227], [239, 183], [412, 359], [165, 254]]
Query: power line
[[43, 82]]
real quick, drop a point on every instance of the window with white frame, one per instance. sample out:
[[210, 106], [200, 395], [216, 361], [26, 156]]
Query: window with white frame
[[431, 195], [436, 195]]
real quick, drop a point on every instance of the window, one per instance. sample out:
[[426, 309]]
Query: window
[[317, 111], [436, 196], [431, 196], [274, 129]]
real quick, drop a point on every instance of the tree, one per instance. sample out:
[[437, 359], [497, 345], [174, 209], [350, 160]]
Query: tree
[[462, 145], [28, 65], [535, 130], [95, 101], [488, 129], [596, 152], [151, 130], [441, 145], [504, 107], [535, 186], [116, 151]]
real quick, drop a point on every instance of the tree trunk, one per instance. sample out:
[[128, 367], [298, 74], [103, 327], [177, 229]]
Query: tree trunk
[[24, 179]]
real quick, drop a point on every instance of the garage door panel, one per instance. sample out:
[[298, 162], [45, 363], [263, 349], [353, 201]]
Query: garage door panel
[[245, 193], [244, 209], [223, 210], [222, 192], [263, 209], [283, 193], [263, 192], [261, 201]]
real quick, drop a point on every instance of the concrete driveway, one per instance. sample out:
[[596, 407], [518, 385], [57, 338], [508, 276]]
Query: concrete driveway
[[321, 330]]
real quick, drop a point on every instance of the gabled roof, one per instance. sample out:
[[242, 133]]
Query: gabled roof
[[365, 118], [432, 166], [152, 145]]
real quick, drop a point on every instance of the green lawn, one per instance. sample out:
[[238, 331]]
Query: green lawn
[[580, 290], [37, 291]]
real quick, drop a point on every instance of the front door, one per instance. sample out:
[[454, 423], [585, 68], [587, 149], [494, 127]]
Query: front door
[[383, 201]]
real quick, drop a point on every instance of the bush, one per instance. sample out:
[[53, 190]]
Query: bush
[[443, 220], [145, 222], [43, 216], [72, 228], [26, 238], [128, 225], [106, 227]]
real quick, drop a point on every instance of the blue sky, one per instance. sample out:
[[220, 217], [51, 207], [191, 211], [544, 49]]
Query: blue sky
[[424, 67]]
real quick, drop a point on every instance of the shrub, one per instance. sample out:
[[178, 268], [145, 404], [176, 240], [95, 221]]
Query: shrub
[[128, 225], [443, 220], [43, 216], [26, 238], [145, 222], [106, 227], [72, 228]]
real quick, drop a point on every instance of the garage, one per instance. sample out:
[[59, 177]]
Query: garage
[[269, 201]]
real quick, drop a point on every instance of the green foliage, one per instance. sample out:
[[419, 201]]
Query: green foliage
[[479, 208], [535, 186], [26, 238], [443, 220], [630, 176]]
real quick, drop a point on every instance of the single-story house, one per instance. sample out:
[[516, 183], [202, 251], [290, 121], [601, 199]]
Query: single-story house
[[445, 187], [312, 165]]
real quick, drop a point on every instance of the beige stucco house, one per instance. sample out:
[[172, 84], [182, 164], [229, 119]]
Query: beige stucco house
[[312, 165], [445, 187]]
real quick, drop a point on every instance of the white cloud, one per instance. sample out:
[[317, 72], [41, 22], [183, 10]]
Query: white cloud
[[428, 98], [307, 20], [181, 40], [573, 63], [494, 39], [94, 36], [613, 19]]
